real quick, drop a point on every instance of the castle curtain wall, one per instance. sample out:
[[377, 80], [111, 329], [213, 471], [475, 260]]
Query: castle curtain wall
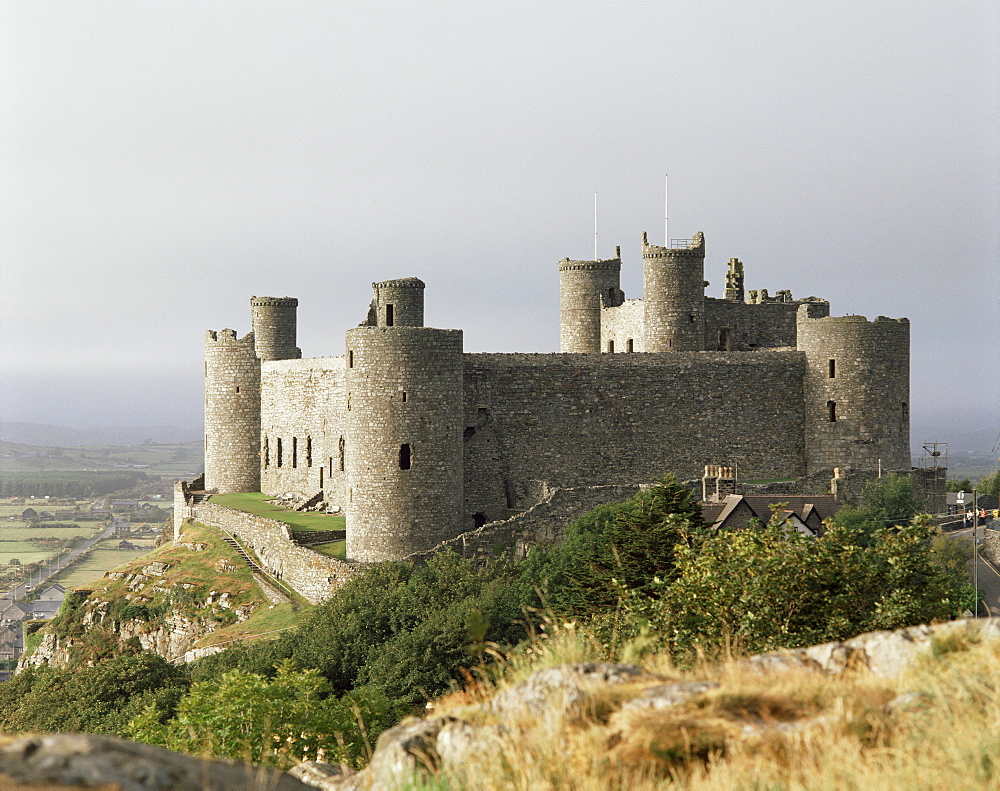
[[579, 420], [302, 405]]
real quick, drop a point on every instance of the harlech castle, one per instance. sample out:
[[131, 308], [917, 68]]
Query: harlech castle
[[417, 441]]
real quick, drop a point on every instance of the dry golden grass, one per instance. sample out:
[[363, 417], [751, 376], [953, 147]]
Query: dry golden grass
[[936, 727]]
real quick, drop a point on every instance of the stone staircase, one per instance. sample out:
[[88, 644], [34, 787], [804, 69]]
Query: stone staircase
[[242, 553]]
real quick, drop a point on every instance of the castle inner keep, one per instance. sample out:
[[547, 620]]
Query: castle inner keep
[[417, 441]]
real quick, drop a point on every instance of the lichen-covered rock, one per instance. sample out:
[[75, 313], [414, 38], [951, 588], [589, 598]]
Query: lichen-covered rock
[[567, 687], [885, 654], [84, 761]]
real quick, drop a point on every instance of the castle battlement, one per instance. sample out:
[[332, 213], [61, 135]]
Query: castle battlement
[[418, 441], [227, 337]]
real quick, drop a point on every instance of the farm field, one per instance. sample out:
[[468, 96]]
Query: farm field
[[184, 459], [97, 563], [19, 531], [24, 551]]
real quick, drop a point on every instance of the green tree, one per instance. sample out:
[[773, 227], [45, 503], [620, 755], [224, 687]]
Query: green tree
[[989, 485], [630, 545], [277, 721], [772, 588], [886, 502]]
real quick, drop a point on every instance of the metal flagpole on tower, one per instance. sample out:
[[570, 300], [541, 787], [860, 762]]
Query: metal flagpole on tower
[[595, 227], [666, 214]]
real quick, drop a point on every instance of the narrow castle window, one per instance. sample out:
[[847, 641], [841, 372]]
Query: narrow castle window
[[340, 451], [631, 345], [320, 477], [295, 451], [404, 457], [611, 347], [611, 295], [330, 462], [479, 519], [724, 336], [279, 451], [389, 315], [404, 396], [831, 408], [267, 453], [691, 318], [833, 369], [237, 388], [350, 358], [309, 452]]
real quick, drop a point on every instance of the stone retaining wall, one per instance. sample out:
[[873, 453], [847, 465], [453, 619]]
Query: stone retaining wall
[[544, 523], [313, 576]]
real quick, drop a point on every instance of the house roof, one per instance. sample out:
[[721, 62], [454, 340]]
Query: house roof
[[808, 510]]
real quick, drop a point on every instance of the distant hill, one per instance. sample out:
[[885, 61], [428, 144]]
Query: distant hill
[[64, 436]]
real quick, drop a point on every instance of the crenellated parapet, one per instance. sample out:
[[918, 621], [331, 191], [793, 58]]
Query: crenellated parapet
[[584, 288], [674, 296], [274, 326], [856, 391], [232, 412], [398, 303]]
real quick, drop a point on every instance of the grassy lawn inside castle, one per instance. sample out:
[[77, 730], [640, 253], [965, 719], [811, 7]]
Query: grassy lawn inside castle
[[256, 503]]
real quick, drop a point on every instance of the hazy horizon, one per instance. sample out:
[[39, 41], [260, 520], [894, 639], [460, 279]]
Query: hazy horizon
[[163, 163]]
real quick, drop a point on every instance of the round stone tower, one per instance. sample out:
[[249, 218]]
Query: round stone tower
[[674, 296], [404, 446], [584, 287], [274, 327], [856, 391], [399, 303], [232, 413]]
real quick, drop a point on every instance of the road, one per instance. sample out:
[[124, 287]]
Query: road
[[51, 571], [989, 577]]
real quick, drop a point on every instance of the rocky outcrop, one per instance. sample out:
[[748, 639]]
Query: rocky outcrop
[[628, 705], [173, 637], [81, 761], [627, 699]]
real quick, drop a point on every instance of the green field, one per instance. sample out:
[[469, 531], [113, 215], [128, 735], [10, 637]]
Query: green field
[[96, 564], [180, 460], [24, 551], [18, 532], [254, 503]]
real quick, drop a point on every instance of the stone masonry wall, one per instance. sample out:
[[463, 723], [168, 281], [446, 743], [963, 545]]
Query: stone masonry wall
[[543, 523], [404, 440], [601, 419], [583, 286], [621, 324], [232, 413], [302, 404], [856, 391], [313, 576], [760, 326]]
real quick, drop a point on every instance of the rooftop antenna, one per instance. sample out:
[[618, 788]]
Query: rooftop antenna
[[595, 228], [666, 214]]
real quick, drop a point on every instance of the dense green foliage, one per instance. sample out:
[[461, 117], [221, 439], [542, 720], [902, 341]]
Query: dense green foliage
[[277, 721], [774, 588], [617, 545], [397, 633], [78, 484], [887, 502], [99, 699]]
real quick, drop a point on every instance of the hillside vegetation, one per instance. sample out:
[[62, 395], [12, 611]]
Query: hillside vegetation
[[641, 579]]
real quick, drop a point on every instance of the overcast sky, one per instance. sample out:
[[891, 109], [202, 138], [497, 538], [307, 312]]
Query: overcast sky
[[161, 162]]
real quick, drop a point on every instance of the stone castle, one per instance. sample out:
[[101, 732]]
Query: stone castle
[[417, 441]]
